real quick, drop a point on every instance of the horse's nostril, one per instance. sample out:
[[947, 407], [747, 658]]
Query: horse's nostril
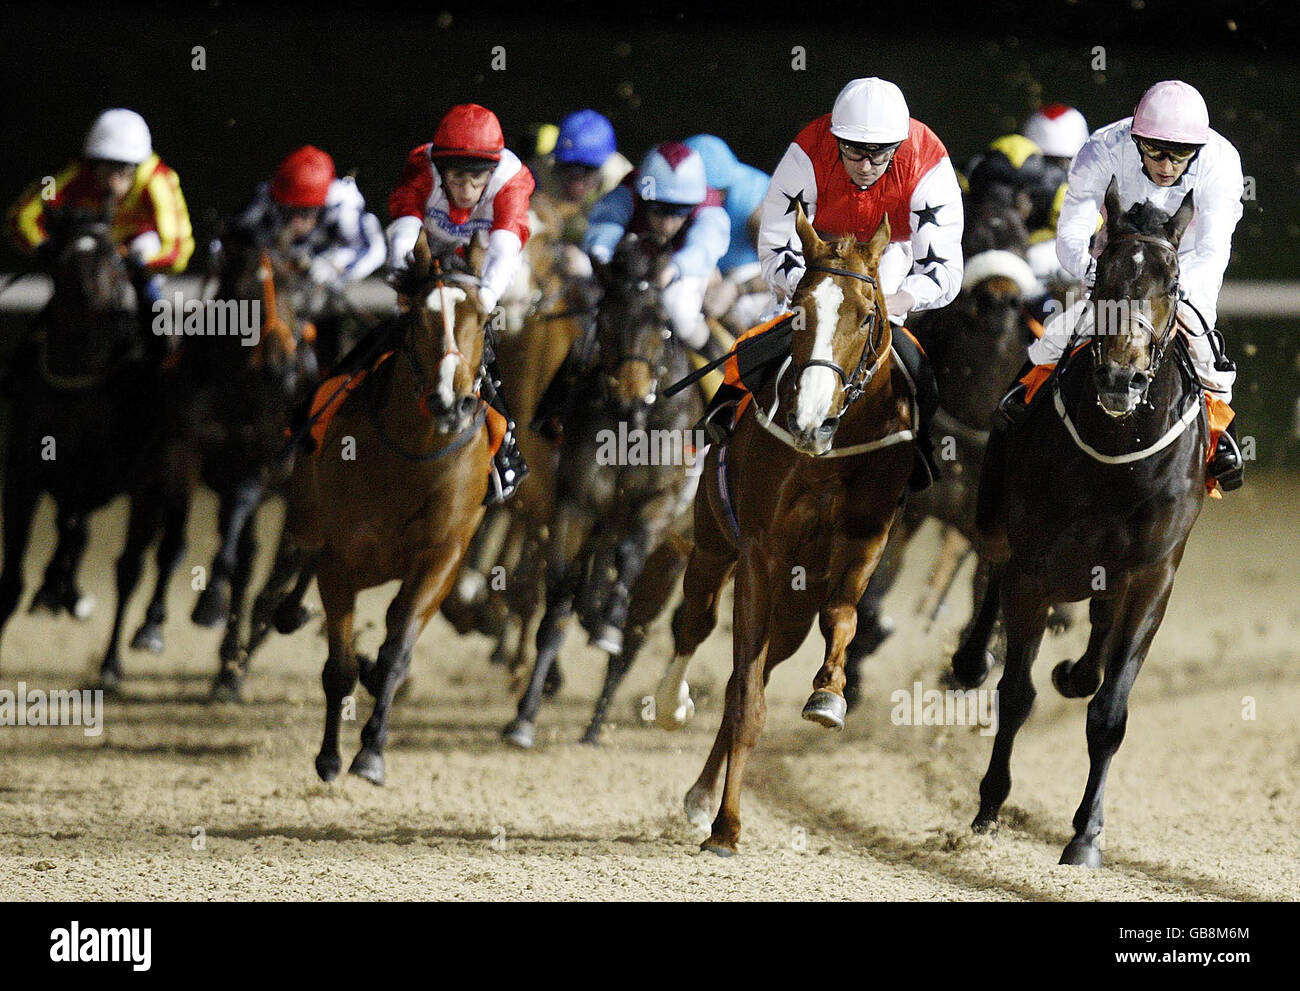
[[1140, 380], [467, 403], [830, 424]]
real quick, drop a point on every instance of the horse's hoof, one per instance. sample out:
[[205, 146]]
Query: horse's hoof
[[592, 737], [369, 765], [826, 709], [328, 766], [717, 847], [610, 640], [110, 680], [984, 825], [226, 689], [44, 601], [698, 805], [149, 637], [1079, 853], [671, 717], [82, 607], [290, 619], [520, 733], [971, 667], [211, 609]]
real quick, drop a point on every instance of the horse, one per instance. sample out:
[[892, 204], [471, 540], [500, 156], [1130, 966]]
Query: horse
[[800, 512], [395, 492], [975, 346], [1101, 484], [232, 418], [610, 504], [86, 427]]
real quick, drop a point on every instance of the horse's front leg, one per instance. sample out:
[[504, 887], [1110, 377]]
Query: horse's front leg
[[171, 550], [854, 562], [972, 661], [234, 662], [213, 607], [142, 524], [1138, 618], [59, 587]]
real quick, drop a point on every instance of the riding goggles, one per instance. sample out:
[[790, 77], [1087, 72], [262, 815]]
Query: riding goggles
[[669, 209], [874, 154], [1158, 153]]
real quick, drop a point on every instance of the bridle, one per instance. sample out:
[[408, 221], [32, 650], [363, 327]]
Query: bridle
[[852, 386], [657, 366], [1160, 340]]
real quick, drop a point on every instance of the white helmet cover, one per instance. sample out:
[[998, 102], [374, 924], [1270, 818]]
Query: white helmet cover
[[870, 111], [119, 136], [1060, 131]]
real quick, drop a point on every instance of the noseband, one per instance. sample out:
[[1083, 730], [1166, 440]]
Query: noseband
[[1159, 340], [851, 385]]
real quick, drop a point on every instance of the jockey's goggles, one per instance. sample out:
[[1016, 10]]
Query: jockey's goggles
[[1179, 155], [875, 154], [669, 209]]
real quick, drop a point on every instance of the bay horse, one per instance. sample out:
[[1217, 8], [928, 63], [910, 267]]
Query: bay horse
[[799, 512], [87, 426], [395, 491], [610, 504], [233, 414], [1102, 483]]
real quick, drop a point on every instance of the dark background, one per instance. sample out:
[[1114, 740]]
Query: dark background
[[369, 84]]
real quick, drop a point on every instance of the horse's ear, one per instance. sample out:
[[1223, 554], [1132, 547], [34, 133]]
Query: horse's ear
[[423, 256], [476, 252], [1176, 226], [879, 240], [1113, 210], [812, 244]]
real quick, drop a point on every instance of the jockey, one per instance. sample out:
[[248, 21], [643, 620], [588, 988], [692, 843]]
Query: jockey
[[1160, 154], [465, 181], [667, 200], [1015, 163], [740, 296], [1059, 131], [321, 222], [576, 168], [119, 172], [848, 169]]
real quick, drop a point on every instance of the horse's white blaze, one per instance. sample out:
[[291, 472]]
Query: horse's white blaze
[[673, 705], [454, 296], [446, 379], [817, 384], [86, 243]]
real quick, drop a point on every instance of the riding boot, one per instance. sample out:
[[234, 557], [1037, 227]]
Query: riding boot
[[1227, 465], [508, 465], [1012, 408], [719, 418], [924, 469]]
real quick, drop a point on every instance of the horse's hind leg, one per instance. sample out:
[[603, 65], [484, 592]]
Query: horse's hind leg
[[339, 676], [1025, 617], [213, 607], [141, 526], [1143, 607], [972, 661], [59, 588], [839, 623], [873, 626], [711, 563], [234, 662], [171, 549]]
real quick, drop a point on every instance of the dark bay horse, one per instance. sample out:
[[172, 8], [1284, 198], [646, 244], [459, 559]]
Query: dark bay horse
[[611, 504], [800, 509], [87, 426], [395, 492], [233, 414], [1103, 480]]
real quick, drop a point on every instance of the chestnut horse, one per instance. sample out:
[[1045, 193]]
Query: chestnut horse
[[1103, 480], [395, 492], [801, 515]]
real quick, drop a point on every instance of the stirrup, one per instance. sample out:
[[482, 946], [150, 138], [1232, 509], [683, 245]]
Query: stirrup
[[1227, 465], [1012, 407], [719, 433]]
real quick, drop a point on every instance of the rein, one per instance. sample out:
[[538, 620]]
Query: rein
[[852, 386]]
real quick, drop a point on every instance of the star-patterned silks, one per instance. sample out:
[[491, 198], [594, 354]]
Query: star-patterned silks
[[791, 258], [926, 215], [792, 200], [931, 259]]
